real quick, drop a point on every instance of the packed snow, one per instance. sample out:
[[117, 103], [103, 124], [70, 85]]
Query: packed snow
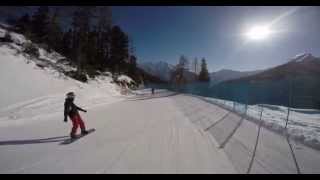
[[2, 33], [124, 78], [303, 124]]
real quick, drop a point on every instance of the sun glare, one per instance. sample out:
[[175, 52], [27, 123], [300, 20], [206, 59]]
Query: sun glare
[[258, 32]]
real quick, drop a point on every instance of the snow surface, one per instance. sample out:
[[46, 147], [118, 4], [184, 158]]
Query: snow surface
[[130, 138], [2, 33], [24, 80], [301, 57], [303, 124], [124, 78], [250, 147]]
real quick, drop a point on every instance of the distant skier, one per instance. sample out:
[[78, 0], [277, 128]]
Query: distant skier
[[71, 110], [152, 91]]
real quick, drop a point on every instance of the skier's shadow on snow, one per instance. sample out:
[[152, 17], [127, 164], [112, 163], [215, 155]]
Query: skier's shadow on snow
[[34, 141]]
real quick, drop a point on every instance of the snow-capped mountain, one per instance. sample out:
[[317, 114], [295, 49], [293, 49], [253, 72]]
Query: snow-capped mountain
[[302, 64], [159, 69], [226, 74], [303, 57], [298, 78], [163, 70]]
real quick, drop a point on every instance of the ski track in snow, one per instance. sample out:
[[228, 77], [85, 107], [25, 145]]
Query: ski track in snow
[[152, 134]]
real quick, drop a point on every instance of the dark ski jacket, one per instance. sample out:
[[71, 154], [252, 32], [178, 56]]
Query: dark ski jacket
[[70, 109]]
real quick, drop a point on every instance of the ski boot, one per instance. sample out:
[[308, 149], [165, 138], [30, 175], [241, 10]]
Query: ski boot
[[84, 132], [73, 136]]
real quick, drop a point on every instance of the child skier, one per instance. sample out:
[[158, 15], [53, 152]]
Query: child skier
[[71, 110]]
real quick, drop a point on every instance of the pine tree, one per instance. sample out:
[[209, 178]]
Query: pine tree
[[132, 67], [23, 24], [204, 74], [66, 44], [91, 50], [54, 38], [104, 25], [39, 23], [118, 50], [81, 27]]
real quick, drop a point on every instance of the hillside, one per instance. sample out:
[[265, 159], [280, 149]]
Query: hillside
[[226, 74], [294, 83], [159, 69], [163, 70], [28, 78], [300, 65]]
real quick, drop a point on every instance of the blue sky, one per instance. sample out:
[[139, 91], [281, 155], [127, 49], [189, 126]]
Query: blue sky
[[164, 33]]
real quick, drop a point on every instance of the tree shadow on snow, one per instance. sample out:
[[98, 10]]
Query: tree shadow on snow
[[34, 141]]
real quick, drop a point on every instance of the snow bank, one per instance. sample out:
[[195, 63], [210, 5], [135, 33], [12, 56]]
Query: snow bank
[[18, 38], [2, 33], [124, 78]]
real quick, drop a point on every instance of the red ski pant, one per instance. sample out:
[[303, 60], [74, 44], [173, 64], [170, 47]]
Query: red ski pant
[[76, 121]]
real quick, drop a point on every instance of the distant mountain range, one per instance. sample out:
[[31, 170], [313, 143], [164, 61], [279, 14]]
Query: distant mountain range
[[226, 74], [163, 69], [159, 69], [295, 83], [300, 65]]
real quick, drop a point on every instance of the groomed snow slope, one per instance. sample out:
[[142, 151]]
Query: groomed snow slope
[[135, 136], [161, 133]]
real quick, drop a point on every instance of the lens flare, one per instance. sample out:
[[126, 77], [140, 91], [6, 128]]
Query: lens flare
[[258, 32]]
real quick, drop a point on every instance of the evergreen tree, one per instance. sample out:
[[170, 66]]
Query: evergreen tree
[[66, 44], [118, 50], [104, 25], [92, 43], [81, 26], [91, 50], [132, 67], [11, 20], [204, 74], [40, 21], [54, 38], [23, 24]]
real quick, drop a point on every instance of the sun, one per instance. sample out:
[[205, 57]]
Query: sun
[[258, 32]]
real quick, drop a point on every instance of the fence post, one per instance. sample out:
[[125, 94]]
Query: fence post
[[289, 101], [261, 112], [247, 101], [234, 109]]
